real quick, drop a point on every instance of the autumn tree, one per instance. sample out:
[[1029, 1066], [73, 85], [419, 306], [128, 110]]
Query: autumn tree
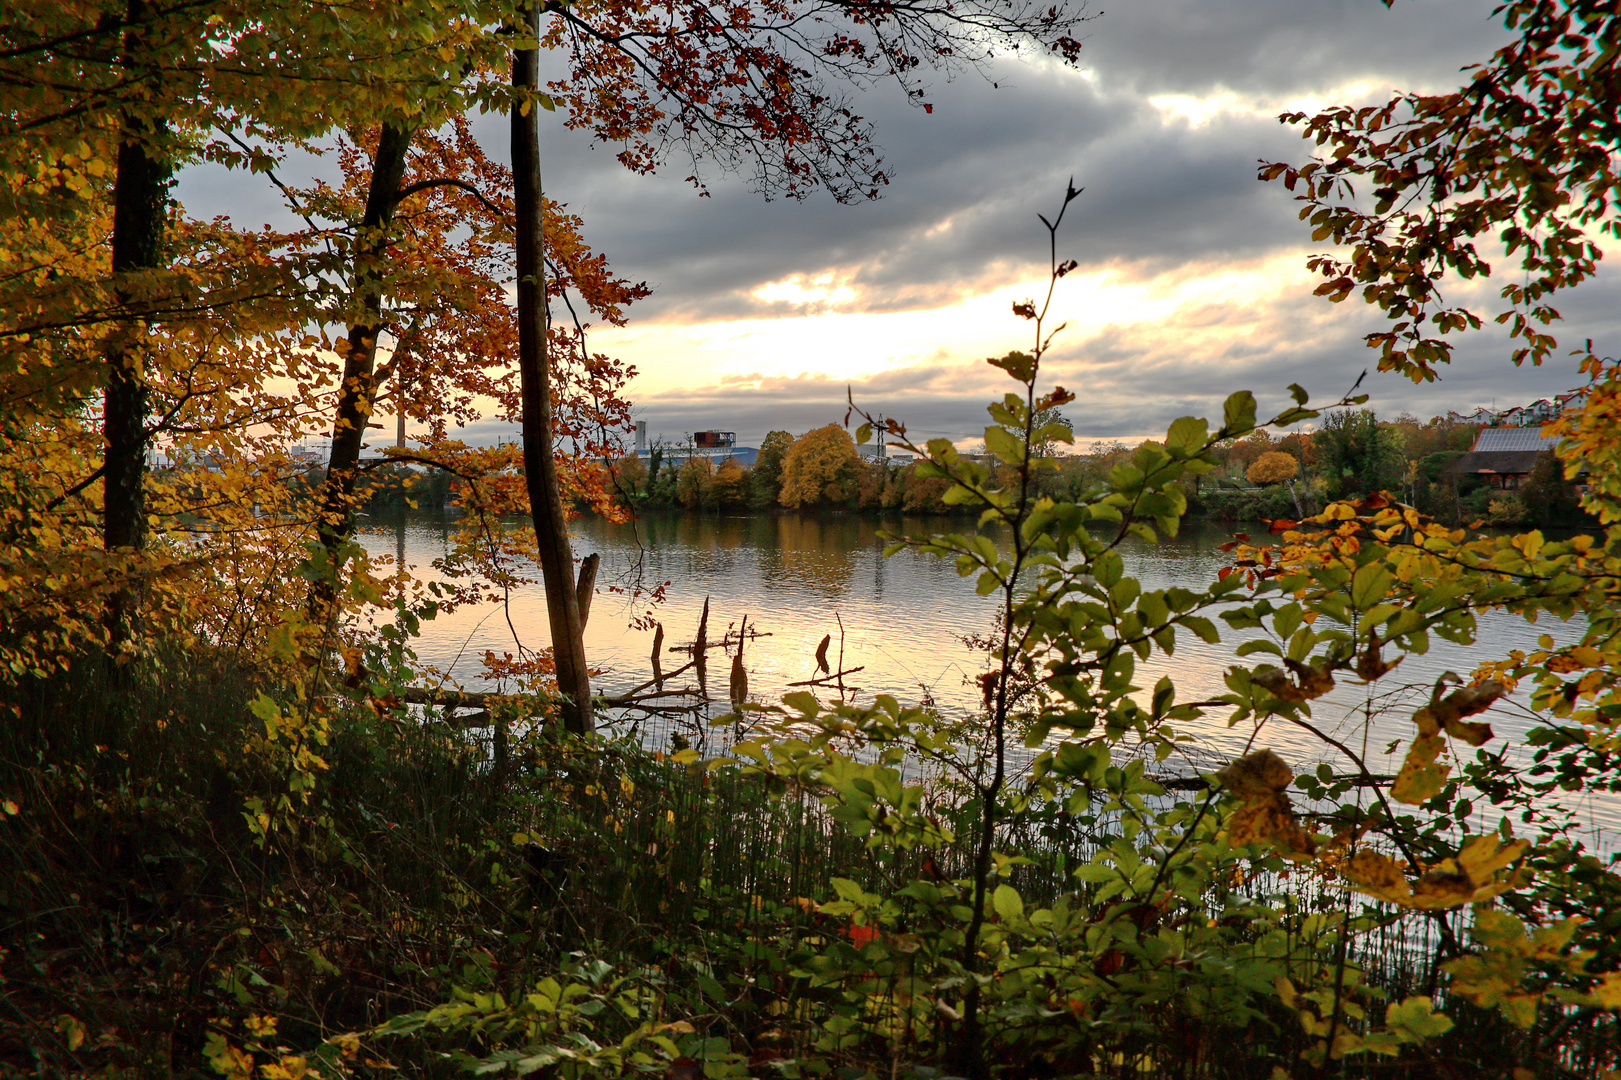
[[629, 478], [1273, 467], [819, 468], [767, 474], [1244, 452], [110, 99], [1524, 153], [730, 485], [695, 483]]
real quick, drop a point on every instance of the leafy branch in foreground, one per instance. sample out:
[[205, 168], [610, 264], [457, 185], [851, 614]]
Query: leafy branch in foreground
[[1524, 155]]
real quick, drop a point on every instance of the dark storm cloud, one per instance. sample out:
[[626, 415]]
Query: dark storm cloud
[[1278, 46], [970, 177]]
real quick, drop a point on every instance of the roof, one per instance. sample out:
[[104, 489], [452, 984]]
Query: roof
[[1515, 462], [1520, 439]]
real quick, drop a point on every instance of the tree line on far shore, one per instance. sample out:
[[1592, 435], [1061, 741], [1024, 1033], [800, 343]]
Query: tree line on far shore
[[1261, 477]]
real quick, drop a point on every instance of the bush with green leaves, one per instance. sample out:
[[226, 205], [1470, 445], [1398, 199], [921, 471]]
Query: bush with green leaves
[[1040, 901]]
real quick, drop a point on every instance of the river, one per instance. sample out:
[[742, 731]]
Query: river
[[903, 620]]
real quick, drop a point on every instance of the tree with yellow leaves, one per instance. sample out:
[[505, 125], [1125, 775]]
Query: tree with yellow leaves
[[1273, 467], [819, 469]]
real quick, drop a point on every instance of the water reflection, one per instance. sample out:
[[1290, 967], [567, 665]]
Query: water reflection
[[797, 578]]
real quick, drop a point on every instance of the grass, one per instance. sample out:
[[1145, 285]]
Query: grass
[[144, 921]]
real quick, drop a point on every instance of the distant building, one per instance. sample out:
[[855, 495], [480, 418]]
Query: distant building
[[1540, 412], [1504, 456], [1481, 416], [717, 446]]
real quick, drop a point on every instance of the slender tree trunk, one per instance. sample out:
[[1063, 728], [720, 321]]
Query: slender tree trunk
[[540, 467], [359, 387], [140, 212]]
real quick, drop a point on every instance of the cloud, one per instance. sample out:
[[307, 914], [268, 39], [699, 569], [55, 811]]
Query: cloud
[[1191, 280], [1275, 49]]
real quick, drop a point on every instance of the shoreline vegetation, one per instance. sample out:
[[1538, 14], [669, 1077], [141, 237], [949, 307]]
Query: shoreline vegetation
[[1263, 477]]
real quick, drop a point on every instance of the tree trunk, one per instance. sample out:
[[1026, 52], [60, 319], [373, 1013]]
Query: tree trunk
[[540, 468], [359, 387], [140, 196]]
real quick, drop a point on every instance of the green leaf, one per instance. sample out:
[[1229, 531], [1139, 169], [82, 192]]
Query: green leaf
[[803, 702], [1416, 1019], [1007, 903], [1021, 366], [1370, 584], [848, 890], [1154, 610], [1187, 435], [1164, 695], [1004, 444], [1203, 627], [1238, 413]]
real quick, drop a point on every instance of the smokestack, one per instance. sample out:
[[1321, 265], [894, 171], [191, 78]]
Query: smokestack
[[641, 436]]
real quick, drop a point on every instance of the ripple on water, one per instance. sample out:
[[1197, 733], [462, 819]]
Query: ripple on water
[[904, 620]]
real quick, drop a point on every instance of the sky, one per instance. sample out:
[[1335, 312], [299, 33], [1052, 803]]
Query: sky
[[1191, 279]]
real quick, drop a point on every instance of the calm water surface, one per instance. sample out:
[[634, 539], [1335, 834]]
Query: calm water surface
[[903, 620]]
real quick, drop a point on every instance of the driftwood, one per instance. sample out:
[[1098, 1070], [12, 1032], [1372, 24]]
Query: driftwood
[[827, 680], [629, 696], [1199, 783], [702, 644], [658, 647], [740, 677], [644, 694], [450, 699]]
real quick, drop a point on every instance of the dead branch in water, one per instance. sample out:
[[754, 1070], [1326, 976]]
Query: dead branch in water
[[833, 679]]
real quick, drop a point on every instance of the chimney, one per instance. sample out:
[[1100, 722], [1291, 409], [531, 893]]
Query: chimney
[[641, 436]]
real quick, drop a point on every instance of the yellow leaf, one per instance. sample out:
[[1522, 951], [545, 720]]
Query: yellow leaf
[[72, 1030], [1484, 855], [1607, 994], [1261, 781], [1420, 778], [1471, 877]]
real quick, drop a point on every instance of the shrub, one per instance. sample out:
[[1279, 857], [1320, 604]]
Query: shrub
[[1273, 467]]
